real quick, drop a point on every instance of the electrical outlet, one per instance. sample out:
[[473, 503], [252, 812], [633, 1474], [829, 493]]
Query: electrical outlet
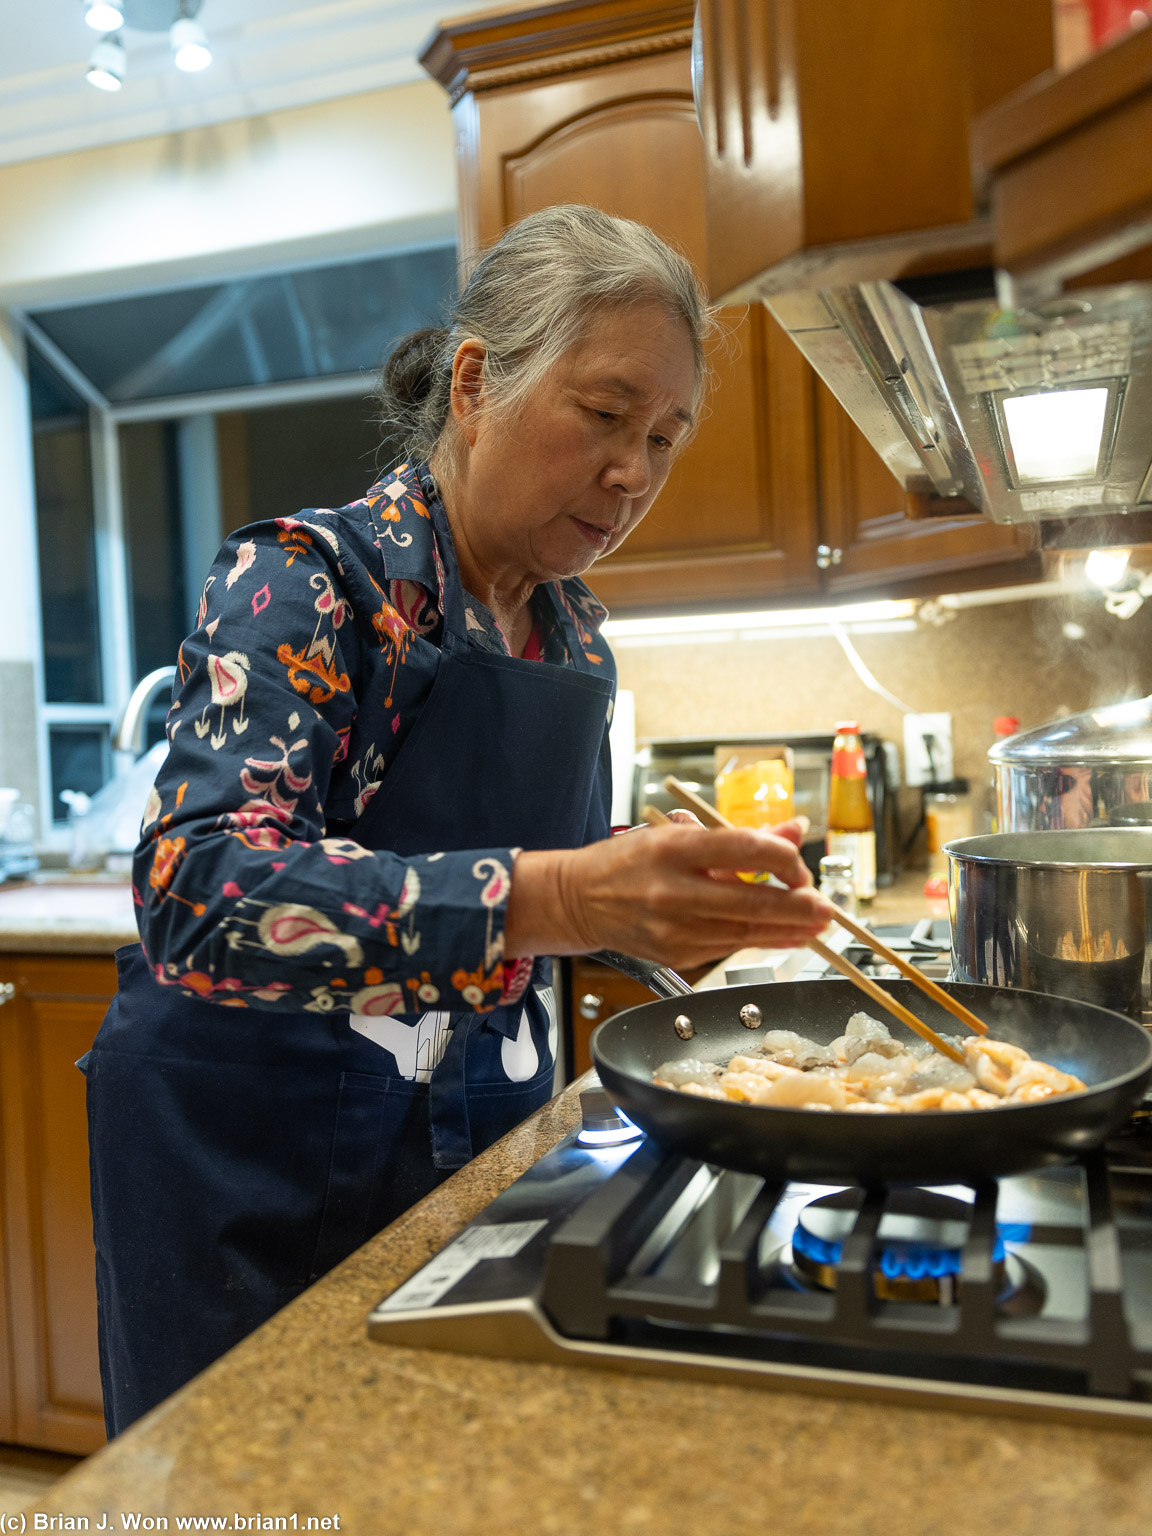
[[927, 748]]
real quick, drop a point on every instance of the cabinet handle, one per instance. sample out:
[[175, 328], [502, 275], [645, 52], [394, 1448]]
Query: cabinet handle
[[590, 1005], [7, 992], [826, 556]]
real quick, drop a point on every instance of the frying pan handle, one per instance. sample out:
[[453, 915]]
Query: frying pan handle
[[657, 978]]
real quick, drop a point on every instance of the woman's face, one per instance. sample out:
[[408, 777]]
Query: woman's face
[[552, 486]]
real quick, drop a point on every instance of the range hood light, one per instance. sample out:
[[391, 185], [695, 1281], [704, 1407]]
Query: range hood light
[[1104, 567], [1056, 435]]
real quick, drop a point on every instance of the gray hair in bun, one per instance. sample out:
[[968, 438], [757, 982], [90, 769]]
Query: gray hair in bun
[[530, 298]]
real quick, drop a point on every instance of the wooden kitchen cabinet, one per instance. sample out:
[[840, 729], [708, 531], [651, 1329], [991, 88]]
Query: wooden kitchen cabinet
[[592, 103], [780, 496], [1069, 174], [50, 1386]]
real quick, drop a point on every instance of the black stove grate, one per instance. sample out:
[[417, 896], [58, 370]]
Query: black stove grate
[[667, 1241]]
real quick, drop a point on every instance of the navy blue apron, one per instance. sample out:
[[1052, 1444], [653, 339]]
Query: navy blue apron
[[238, 1154]]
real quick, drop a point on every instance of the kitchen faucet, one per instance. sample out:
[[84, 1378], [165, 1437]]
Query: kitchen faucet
[[129, 735]]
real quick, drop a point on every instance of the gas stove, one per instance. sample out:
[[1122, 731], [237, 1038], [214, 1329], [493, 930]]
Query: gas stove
[[1029, 1295], [1032, 1295]]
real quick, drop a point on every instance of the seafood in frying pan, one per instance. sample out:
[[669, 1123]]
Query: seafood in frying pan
[[867, 1071]]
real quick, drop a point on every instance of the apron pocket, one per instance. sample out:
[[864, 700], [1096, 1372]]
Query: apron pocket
[[381, 1163], [494, 1109]]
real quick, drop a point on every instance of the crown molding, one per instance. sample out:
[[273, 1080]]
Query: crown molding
[[482, 51]]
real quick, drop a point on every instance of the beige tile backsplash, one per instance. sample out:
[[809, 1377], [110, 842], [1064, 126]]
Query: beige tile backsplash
[[1008, 658]]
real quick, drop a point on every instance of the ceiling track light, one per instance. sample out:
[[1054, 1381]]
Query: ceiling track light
[[190, 45], [190, 48], [107, 65], [104, 15]]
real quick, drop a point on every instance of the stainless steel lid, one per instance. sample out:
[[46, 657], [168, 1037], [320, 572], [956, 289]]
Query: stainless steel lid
[[1120, 735]]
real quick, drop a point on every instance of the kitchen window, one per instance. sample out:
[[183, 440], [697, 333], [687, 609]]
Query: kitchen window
[[164, 421]]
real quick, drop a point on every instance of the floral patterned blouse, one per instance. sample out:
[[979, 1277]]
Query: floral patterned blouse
[[315, 648]]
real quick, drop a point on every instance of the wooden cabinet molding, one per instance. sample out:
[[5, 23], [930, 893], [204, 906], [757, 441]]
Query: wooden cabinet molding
[[1070, 169], [499, 48], [47, 1226]]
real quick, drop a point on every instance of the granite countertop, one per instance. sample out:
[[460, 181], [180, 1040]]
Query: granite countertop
[[58, 913], [309, 1418]]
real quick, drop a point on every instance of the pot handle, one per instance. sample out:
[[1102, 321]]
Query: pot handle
[[657, 978]]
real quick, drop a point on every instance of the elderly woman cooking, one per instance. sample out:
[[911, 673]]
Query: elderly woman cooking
[[386, 798]]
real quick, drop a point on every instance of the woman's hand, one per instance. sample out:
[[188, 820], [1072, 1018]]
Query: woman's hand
[[669, 894]]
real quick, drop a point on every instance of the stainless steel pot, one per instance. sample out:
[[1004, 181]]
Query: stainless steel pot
[[1093, 769], [1064, 912]]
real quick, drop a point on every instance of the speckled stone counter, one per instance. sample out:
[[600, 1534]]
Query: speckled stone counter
[[308, 1418], [67, 915]]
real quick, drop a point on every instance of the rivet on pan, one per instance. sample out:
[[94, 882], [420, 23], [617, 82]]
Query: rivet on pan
[[684, 1026], [750, 1016]]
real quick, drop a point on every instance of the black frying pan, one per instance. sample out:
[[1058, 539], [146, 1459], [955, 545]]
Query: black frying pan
[[1110, 1053]]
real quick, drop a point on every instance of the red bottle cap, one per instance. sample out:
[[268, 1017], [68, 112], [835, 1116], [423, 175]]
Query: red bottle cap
[[847, 725], [1006, 725]]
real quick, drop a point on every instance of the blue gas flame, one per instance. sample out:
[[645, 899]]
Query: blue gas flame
[[906, 1260]]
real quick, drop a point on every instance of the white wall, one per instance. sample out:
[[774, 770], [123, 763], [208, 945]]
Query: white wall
[[20, 607], [19, 610], [354, 175]]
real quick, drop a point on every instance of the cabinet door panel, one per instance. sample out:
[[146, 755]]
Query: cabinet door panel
[[864, 518], [7, 1393], [48, 1220]]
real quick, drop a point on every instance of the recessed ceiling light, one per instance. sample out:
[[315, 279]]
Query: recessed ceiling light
[[104, 15], [107, 65]]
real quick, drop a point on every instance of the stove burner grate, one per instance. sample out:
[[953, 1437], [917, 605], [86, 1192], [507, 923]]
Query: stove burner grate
[[919, 1243], [667, 1240]]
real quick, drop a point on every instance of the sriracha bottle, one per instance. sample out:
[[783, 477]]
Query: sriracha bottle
[[851, 829]]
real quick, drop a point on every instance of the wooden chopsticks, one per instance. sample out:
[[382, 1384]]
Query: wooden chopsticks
[[884, 1000], [712, 817], [906, 968]]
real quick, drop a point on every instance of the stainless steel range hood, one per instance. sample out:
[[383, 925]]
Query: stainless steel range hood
[[1026, 413]]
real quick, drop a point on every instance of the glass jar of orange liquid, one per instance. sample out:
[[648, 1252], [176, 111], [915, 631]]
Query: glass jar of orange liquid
[[754, 785]]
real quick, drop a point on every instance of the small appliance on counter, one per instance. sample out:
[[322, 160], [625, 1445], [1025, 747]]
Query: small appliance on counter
[[692, 759]]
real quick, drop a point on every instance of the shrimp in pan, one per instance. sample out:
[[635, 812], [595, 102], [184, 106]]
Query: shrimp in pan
[[867, 1071]]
